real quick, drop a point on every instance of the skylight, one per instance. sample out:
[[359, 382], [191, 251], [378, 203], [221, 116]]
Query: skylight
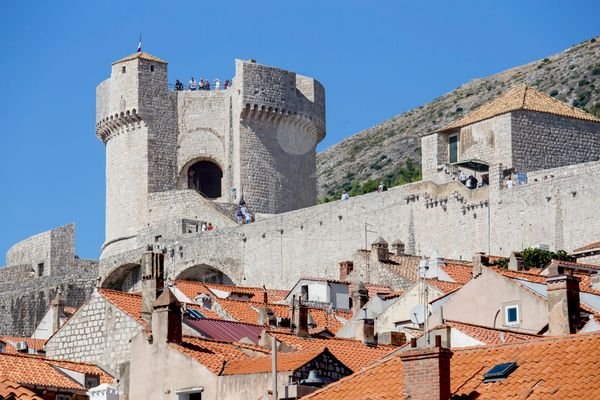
[[499, 372]]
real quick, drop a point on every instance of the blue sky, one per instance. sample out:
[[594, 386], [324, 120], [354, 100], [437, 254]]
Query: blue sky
[[376, 59]]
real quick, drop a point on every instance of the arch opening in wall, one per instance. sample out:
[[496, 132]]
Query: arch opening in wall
[[205, 177], [126, 278], [204, 273]]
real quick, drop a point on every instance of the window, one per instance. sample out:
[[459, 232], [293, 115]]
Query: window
[[91, 381], [453, 149], [123, 69], [511, 315], [40, 269], [152, 68], [63, 397], [190, 394]]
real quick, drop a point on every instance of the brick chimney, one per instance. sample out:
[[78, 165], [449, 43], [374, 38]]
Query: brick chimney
[[346, 268], [398, 247], [152, 281], [380, 249], [563, 300], [360, 297], [427, 372], [166, 319], [58, 309]]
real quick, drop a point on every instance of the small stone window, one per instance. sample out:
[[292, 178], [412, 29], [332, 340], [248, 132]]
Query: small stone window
[[453, 149], [152, 68], [123, 69], [40, 269]]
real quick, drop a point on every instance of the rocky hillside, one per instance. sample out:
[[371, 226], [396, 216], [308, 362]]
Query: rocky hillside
[[379, 152]]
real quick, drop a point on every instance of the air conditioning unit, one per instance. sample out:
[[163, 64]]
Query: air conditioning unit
[[22, 347]]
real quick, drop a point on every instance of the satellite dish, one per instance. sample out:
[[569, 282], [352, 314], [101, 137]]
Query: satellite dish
[[418, 314]]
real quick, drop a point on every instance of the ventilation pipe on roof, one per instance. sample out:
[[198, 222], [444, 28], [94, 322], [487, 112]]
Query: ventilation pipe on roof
[[478, 260]]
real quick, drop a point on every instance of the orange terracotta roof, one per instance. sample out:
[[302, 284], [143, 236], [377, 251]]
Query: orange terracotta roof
[[11, 341], [247, 311], [460, 271], [285, 362], [446, 287], [141, 55], [559, 368], [18, 392], [192, 289], [488, 335], [406, 266], [129, 303], [521, 97], [215, 354], [352, 353], [39, 371], [588, 247], [584, 284], [84, 368]]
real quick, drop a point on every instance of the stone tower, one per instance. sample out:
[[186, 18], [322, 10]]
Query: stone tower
[[256, 139]]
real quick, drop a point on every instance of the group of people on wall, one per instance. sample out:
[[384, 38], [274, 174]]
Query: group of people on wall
[[242, 214], [202, 84]]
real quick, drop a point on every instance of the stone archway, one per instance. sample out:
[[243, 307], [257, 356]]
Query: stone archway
[[204, 273], [205, 177], [125, 278]]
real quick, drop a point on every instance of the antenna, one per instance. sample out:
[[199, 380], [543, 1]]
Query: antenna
[[418, 314]]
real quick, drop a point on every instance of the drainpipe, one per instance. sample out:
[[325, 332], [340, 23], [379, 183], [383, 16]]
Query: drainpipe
[[274, 366]]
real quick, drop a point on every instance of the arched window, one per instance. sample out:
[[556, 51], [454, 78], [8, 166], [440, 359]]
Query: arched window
[[205, 177]]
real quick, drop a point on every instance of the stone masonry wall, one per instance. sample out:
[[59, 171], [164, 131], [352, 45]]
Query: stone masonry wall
[[542, 141], [98, 332], [24, 302]]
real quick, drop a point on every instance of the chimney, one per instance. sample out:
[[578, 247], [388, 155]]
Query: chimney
[[302, 320], [166, 319], [393, 338], [360, 297], [563, 300], [515, 262], [266, 316], [398, 248], [380, 249], [365, 331], [346, 268], [478, 259], [152, 281], [427, 372], [58, 309]]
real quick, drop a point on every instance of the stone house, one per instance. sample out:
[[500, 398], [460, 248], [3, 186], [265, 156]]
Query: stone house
[[194, 368]]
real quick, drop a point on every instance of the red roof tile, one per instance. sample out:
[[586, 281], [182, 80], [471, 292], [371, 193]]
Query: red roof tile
[[129, 303], [559, 368], [588, 247], [214, 354], [18, 392], [460, 271], [192, 289], [488, 335], [11, 341], [40, 371], [446, 287], [285, 362], [352, 353]]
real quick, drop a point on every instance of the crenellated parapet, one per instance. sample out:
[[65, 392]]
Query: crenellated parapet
[[113, 125]]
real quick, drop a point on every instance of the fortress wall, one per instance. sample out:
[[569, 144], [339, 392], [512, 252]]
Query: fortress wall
[[54, 248], [542, 141], [203, 121], [487, 140], [558, 210], [274, 178], [23, 304], [126, 183], [158, 110]]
